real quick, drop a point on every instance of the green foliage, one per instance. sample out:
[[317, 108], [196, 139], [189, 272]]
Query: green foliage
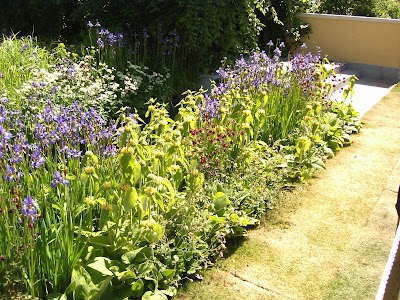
[[93, 208], [370, 8], [387, 9], [45, 18], [282, 24], [353, 7], [209, 30], [26, 57]]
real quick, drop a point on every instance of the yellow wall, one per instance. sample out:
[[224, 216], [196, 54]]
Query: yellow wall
[[364, 40]]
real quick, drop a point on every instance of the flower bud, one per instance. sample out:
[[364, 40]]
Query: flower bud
[[89, 170]]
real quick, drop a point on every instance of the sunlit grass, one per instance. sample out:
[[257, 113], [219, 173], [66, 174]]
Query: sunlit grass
[[18, 57]]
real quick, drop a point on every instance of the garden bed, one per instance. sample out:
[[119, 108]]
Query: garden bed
[[97, 204]]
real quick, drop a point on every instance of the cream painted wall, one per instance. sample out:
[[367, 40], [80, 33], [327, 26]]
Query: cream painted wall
[[373, 41]]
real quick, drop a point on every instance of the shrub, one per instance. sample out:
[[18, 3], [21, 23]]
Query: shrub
[[371, 8], [387, 9]]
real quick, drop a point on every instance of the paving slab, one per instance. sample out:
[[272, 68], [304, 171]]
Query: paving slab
[[368, 92]]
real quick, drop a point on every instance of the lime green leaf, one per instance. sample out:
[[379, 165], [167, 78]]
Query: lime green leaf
[[129, 274], [159, 200], [95, 159], [137, 172], [122, 139], [168, 273], [157, 295], [84, 177], [70, 177], [168, 185], [57, 296], [130, 199], [221, 201], [100, 265], [137, 288], [137, 256]]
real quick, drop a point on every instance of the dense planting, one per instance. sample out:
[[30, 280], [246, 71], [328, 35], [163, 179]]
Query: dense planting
[[207, 30], [96, 208]]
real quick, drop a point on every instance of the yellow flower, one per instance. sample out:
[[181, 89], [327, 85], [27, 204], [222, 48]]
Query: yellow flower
[[107, 185], [149, 191], [124, 186], [107, 206], [90, 201], [89, 170]]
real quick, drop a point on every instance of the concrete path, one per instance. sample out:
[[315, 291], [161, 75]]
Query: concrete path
[[368, 92], [331, 238]]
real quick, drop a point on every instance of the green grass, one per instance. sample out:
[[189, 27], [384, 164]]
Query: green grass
[[19, 56]]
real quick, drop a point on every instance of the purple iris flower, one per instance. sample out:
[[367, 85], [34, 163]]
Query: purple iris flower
[[58, 179], [37, 158], [29, 208]]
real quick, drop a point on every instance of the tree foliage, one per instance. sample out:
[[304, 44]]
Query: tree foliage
[[209, 29]]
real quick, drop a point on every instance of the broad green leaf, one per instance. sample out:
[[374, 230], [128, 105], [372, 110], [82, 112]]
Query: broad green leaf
[[217, 219], [170, 291], [249, 119], [100, 265], [94, 158], [103, 241], [137, 256], [145, 268], [155, 233], [159, 200], [151, 236], [157, 295], [122, 139], [129, 274], [137, 288], [57, 296], [70, 177], [137, 172], [82, 285], [84, 177], [221, 201], [104, 215], [130, 199], [168, 273], [105, 287], [168, 185]]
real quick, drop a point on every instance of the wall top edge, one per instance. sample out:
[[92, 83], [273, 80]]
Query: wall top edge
[[349, 18]]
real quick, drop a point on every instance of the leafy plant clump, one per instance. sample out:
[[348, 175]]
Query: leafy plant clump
[[94, 207], [370, 8]]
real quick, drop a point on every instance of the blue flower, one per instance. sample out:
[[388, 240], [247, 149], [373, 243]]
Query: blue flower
[[37, 157], [145, 33], [58, 180], [90, 24], [210, 107], [24, 48], [277, 52], [100, 43], [29, 208]]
